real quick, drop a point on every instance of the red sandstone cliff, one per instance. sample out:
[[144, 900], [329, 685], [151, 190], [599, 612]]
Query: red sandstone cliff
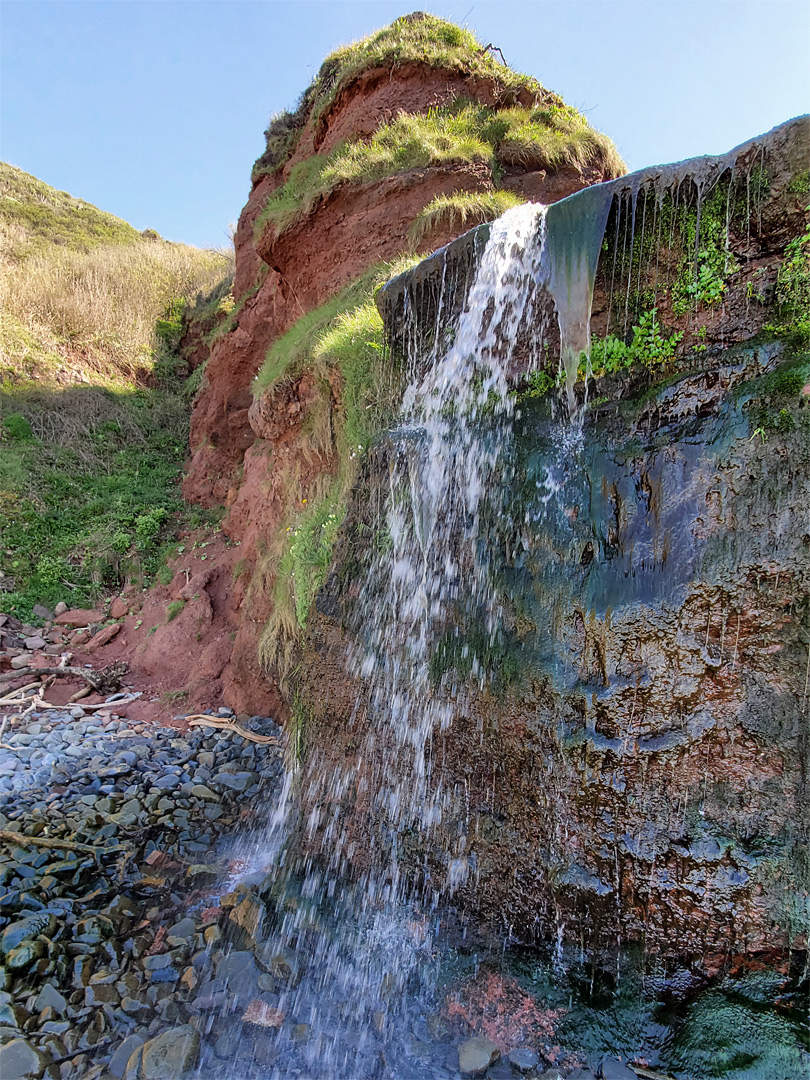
[[236, 459]]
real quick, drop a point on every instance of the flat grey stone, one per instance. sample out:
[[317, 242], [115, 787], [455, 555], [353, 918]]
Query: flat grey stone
[[50, 998], [19, 1060], [118, 1063], [613, 1069]]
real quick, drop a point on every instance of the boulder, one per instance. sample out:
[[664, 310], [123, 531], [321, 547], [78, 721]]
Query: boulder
[[476, 1055], [103, 637], [524, 1059], [119, 608], [171, 1055]]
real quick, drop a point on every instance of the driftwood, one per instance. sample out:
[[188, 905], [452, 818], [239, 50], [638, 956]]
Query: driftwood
[[51, 842], [102, 681], [203, 720], [17, 696]]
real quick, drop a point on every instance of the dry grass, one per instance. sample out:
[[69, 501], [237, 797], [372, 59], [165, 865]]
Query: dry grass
[[74, 316]]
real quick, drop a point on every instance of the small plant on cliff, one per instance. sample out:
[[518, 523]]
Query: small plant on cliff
[[648, 346], [793, 280], [173, 609], [707, 262], [311, 553]]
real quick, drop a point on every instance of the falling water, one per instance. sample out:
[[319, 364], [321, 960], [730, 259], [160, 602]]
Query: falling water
[[446, 460]]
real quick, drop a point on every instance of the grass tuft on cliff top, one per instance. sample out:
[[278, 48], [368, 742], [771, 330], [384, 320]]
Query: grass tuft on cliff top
[[464, 132], [461, 210], [418, 38]]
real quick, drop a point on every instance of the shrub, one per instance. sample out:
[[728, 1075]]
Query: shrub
[[15, 426]]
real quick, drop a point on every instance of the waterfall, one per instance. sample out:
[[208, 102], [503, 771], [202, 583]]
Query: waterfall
[[446, 460], [369, 938]]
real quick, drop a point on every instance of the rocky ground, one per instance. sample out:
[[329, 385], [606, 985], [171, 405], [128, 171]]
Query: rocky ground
[[126, 949], [138, 926], [111, 839]]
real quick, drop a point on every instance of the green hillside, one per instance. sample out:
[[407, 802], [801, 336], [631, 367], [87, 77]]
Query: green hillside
[[34, 216], [94, 405]]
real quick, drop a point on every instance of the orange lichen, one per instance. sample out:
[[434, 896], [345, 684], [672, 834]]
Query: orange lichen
[[496, 1006]]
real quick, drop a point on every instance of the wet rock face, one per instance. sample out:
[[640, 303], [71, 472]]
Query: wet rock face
[[626, 763], [633, 767]]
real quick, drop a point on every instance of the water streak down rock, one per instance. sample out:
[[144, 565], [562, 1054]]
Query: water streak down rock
[[593, 686]]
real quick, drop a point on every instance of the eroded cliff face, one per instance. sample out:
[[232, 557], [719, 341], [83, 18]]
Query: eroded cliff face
[[630, 764], [244, 453]]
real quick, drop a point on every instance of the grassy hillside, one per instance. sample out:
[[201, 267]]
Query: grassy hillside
[[34, 217], [93, 405]]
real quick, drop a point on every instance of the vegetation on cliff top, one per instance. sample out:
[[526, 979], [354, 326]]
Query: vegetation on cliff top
[[464, 132], [93, 412], [412, 39]]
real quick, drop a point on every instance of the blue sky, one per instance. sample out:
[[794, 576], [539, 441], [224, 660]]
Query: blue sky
[[154, 109]]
